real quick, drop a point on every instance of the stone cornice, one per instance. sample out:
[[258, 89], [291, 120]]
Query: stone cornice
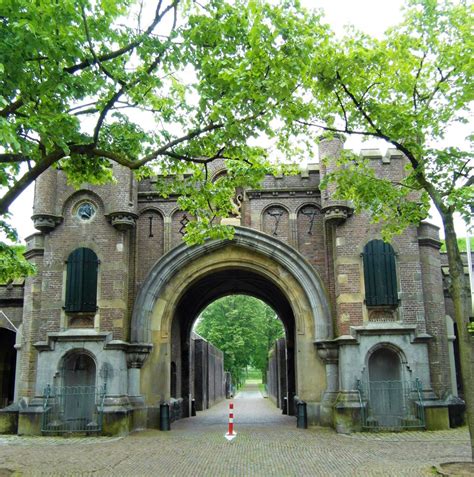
[[383, 329]]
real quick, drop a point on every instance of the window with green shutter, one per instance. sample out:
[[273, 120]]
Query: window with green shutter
[[81, 281], [380, 274]]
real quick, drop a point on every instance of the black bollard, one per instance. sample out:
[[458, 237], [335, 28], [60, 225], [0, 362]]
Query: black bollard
[[193, 407], [285, 406], [301, 415], [164, 417]]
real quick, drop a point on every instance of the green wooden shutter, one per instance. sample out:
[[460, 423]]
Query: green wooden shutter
[[81, 281], [89, 280], [380, 274]]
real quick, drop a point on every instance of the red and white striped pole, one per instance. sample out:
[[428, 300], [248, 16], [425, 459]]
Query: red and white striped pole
[[230, 433]]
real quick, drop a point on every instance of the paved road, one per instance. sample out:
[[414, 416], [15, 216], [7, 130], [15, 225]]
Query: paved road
[[267, 444]]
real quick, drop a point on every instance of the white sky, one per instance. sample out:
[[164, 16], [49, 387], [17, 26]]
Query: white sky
[[371, 16]]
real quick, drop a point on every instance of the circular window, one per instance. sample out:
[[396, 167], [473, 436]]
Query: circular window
[[85, 211]]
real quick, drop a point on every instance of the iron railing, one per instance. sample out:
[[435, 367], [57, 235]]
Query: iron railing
[[73, 409], [391, 405]]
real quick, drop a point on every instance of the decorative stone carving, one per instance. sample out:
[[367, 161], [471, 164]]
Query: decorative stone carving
[[336, 213], [123, 220], [137, 355], [45, 222], [328, 351], [237, 205], [382, 315]]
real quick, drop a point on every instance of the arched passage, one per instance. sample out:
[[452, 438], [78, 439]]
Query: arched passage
[[216, 285], [187, 279], [7, 366]]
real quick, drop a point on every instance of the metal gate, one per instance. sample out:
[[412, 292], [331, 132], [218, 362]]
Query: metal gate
[[391, 405], [69, 409]]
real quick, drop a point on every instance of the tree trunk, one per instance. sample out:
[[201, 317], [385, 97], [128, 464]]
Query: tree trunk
[[461, 300]]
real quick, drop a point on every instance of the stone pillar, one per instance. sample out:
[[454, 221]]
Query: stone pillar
[[328, 351], [18, 340], [433, 295], [31, 406], [293, 230], [31, 317], [167, 234], [335, 212], [136, 356]]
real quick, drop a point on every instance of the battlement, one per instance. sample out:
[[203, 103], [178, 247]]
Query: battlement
[[307, 177], [392, 153]]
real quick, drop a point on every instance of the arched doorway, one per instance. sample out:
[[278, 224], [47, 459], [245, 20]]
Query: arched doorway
[[7, 366], [386, 387], [187, 279], [79, 377]]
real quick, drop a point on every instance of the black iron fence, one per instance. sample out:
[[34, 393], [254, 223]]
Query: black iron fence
[[391, 405], [73, 409]]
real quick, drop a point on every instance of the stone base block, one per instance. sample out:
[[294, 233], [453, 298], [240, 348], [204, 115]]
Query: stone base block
[[436, 416], [9, 420], [29, 422], [313, 410], [327, 409], [347, 413], [117, 423], [138, 419]]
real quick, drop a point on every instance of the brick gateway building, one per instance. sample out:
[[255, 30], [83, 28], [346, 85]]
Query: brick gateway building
[[369, 341]]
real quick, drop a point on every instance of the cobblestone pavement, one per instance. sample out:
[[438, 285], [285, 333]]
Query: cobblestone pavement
[[267, 444]]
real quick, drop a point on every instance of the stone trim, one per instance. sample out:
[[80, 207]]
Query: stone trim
[[171, 263]]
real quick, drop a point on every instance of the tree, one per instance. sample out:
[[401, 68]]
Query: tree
[[82, 89], [244, 328], [407, 89]]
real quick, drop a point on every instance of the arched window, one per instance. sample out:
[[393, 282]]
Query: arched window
[[81, 281], [380, 274]]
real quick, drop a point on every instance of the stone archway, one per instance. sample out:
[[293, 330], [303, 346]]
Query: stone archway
[[7, 366], [185, 280]]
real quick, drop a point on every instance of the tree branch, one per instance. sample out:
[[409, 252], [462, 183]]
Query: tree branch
[[130, 47], [18, 187], [378, 132], [165, 150], [417, 77], [110, 103], [11, 108], [339, 100], [469, 182], [8, 158], [91, 48], [443, 79]]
